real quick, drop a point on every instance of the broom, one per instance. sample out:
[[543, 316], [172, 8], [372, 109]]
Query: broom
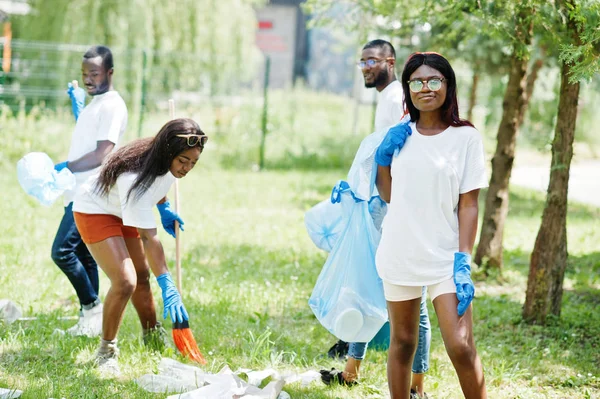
[[182, 334]]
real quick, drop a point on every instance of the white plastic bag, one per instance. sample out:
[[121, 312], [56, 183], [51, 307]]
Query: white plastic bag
[[38, 178]]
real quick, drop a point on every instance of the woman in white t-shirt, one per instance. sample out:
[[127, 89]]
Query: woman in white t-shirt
[[114, 213], [432, 187]]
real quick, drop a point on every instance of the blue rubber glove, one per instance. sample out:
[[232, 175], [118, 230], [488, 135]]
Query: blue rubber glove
[[60, 166], [168, 216], [171, 299], [77, 96], [465, 290], [394, 139]]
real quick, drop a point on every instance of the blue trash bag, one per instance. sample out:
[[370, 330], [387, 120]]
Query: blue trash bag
[[348, 296], [324, 224], [38, 178]]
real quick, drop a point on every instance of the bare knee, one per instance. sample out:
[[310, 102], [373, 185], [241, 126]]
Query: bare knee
[[461, 350], [143, 279], [124, 286], [403, 345]]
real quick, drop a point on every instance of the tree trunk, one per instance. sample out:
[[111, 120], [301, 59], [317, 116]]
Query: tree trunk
[[489, 249], [529, 86], [473, 93], [549, 256]]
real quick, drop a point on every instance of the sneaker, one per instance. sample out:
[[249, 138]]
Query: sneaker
[[339, 350], [107, 359], [155, 338], [336, 377], [415, 395], [89, 323]]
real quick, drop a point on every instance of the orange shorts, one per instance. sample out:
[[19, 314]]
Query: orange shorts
[[94, 228]]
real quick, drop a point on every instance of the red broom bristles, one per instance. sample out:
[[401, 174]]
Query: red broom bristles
[[185, 342]]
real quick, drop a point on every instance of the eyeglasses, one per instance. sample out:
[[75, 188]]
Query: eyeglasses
[[195, 139], [371, 62], [416, 85]]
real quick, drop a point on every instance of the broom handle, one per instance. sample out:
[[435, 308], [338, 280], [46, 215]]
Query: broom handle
[[177, 240]]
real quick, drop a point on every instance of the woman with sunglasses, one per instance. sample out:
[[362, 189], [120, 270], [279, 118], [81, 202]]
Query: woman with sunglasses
[[113, 212], [432, 186]]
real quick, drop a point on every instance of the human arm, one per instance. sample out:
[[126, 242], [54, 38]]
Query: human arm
[[172, 302], [468, 210], [168, 216], [89, 161], [384, 183]]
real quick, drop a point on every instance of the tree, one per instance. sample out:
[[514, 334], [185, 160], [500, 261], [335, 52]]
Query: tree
[[580, 43], [489, 249]]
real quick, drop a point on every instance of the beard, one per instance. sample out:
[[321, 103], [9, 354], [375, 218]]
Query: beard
[[379, 79]]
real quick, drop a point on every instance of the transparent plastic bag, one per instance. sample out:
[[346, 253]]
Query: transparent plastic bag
[[38, 178], [324, 224], [348, 296]]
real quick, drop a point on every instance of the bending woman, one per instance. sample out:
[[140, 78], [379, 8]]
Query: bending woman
[[432, 187], [113, 212]]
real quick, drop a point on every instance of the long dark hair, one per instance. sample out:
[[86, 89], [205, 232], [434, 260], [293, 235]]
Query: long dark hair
[[437, 62], [148, 157]]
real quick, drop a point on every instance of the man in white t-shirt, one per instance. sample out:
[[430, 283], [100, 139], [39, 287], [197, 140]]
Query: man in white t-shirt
[[377, 62], [99, 128]]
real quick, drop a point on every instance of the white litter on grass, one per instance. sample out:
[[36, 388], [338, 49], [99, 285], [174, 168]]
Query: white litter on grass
[[9, 312], [10, 393], [193, 383]]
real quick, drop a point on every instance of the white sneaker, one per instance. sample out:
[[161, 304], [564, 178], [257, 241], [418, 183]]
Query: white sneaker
[[89, 324], [106, 359]]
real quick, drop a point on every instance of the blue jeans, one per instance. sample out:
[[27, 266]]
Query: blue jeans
[[72, 257], [358, 350]]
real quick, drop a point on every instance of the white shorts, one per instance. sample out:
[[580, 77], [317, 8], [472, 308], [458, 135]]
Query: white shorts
[[399, 293]]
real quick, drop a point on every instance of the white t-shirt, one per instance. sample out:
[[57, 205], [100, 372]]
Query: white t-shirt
[[134, 212], [104, 118], [420, 230], [389, 109]]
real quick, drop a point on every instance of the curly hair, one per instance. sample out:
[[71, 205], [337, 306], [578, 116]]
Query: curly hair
[[149, 157], [438, 62]]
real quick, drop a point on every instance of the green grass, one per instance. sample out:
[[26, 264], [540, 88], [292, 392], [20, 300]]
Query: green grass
[[249, 268]]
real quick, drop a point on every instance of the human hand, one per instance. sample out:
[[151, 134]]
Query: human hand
[[168, 216], [465, 289], [172, 303], [77, 95], [394, 139], [60, 166]]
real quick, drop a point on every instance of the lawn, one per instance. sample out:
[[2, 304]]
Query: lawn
[[249, 268]]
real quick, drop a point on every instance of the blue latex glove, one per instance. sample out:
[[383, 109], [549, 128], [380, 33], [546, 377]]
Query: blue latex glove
[[168, 216], [60, 166], [465, 290], [394, 140], [171, 299], [77, 96]]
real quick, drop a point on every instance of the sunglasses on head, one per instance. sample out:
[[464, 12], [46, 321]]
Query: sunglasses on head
[[195, 139], [416, 85]]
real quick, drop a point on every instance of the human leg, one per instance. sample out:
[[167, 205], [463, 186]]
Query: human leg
[[142, 298], [421, 360], [112, 256], [65, 255], [404, 330], [457, 333], [89, 264]]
